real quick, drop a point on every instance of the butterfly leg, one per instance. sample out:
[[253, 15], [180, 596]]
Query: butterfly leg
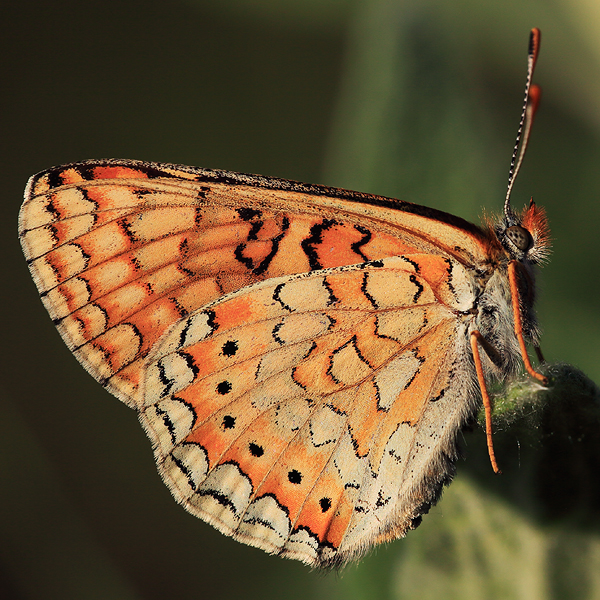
[[514, 292], [476, 340]]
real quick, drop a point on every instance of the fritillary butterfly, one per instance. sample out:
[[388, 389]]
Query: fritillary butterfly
[[301, 357]]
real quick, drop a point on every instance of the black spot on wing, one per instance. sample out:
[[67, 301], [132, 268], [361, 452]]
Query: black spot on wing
[[256, 450], [224, 387], [295, 477], [395, 455], [228, 422], [229, 348], [137, 265], [142, 192], [325, 504]]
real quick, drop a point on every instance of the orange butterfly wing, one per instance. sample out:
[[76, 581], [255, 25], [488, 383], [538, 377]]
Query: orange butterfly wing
[[121, 250], [315, 415], [298, 354]]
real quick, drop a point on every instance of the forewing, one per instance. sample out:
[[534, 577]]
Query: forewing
[[121, 250], [314, 415]]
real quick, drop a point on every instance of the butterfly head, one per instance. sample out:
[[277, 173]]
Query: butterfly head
[[525, 236]]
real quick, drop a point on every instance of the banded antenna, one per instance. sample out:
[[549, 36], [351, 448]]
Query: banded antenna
[[530, 104]]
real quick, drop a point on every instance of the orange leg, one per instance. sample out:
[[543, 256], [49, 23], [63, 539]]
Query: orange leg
[[514, 292], [476, 339]]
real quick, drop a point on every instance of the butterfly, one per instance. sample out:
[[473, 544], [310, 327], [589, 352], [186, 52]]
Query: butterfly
[[301, 357]]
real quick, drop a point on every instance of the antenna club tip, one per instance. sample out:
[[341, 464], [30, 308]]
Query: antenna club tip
[[535, 39], [535, 94], [530, 104]]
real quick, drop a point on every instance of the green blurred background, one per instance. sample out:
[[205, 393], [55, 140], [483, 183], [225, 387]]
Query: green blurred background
[[415, 99]]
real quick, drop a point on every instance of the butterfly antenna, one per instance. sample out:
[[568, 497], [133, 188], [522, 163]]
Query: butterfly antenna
[[530, 104]]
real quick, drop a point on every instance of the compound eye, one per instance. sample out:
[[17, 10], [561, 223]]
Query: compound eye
[[520, 237]]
